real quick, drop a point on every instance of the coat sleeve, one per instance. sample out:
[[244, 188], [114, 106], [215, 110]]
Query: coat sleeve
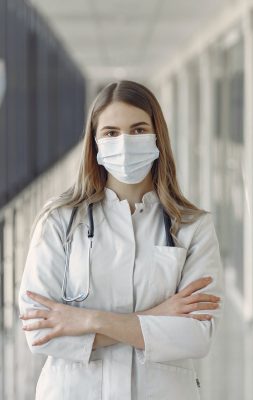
[[43, 274], [169, 338]]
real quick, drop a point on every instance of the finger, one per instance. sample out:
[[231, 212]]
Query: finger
[[195, 285], [200, 317], [201, 297], [38, 325], [200, 306], [35, 314], [41, 299], [42, 340], [45, 338]]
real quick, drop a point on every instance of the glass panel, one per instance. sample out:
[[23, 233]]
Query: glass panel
[[174, 117], [194, 131], [228, 186]]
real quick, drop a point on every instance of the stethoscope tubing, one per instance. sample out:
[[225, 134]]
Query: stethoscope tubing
[[82, 296]]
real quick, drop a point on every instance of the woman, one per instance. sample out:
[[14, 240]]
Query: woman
[[150, 308]]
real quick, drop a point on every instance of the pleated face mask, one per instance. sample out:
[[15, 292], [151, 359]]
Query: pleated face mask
[[128, 158]]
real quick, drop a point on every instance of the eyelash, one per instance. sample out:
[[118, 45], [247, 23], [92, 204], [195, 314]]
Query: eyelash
[[115, 131]]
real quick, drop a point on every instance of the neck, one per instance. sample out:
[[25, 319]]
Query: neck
[[132, 192]]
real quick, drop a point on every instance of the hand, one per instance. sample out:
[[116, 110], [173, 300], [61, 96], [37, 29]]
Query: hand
[[64, 320], [184, 302]]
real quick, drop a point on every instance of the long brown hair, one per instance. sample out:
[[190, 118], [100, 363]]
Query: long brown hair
[[91, 177]]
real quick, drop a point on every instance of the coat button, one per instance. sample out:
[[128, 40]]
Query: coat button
[[141, 210]]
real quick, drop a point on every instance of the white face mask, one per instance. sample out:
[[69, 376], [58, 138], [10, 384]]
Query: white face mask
[[128, 158]]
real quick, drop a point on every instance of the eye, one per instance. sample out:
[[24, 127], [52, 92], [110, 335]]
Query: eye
[[107, 133], [138, 129]]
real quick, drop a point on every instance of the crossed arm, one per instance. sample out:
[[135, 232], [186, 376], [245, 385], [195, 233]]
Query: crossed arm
[[111, 327]]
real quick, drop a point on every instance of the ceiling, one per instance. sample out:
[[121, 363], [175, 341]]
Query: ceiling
[[130, 38]]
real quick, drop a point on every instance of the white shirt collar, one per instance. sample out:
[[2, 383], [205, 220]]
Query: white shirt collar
[[148, 197]]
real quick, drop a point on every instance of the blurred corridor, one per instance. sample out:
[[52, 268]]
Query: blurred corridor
[[197, 58]]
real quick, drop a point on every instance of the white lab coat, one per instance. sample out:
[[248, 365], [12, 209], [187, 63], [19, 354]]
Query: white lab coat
[[131, 270]]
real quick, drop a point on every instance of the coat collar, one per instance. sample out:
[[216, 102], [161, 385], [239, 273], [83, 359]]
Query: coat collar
[[150, 197], [110, 199]]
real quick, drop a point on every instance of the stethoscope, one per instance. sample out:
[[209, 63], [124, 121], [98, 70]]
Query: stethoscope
[[82, 296]]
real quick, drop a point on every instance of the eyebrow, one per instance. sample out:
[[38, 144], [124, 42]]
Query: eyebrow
[[131, 126]]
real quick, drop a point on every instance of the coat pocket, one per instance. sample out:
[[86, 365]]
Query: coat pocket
[[71, 381], [166, 266], [166, 382]]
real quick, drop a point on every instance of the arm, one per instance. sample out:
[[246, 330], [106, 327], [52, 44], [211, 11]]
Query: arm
[[171, 337], [183, 304], [103, 341], [121, 327], [43, 273]]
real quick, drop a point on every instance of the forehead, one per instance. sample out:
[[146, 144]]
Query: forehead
[[120, 113]]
